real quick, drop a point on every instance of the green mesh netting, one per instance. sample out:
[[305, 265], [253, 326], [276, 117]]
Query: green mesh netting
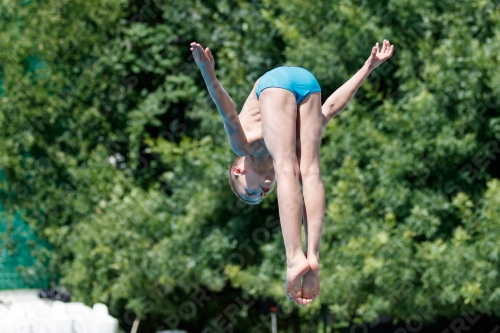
[[18, 267]]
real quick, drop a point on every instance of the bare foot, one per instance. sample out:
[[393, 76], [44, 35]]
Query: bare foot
[[310, 283], [296, 269]]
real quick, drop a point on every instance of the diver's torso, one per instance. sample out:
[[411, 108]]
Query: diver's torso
[[251, 123]]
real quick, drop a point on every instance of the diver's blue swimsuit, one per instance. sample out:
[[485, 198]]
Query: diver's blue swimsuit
[[295, 79]]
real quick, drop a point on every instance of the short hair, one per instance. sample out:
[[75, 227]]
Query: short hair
[[232, 182]]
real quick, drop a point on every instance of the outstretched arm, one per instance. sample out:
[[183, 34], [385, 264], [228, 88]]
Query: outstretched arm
[[343, 95], [206, 62]]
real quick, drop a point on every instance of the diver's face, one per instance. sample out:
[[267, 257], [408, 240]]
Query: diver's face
[[252, 185]]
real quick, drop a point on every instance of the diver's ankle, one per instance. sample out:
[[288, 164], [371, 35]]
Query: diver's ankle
[[292, 259], [313, 259]]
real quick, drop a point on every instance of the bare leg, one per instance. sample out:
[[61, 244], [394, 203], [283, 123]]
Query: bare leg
[[311, 121], [279, 111]]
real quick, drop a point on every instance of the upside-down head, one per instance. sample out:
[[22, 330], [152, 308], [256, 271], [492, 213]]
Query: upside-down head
[[250, 185]]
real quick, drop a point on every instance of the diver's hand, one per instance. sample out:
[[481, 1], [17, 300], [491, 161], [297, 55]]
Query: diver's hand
[[379, 56], [203, 57]]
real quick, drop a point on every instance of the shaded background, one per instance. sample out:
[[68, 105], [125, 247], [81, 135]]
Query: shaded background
[[115, 157]]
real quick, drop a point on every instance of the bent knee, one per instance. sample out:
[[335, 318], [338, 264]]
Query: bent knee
[[310, 165], [288, 169], [310, 171], [311, 180]]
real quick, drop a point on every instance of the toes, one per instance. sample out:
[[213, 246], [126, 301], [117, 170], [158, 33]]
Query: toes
[[309, 300], [301, 301], [297, 299]]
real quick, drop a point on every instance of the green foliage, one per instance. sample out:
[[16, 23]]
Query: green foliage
[[113, 153]]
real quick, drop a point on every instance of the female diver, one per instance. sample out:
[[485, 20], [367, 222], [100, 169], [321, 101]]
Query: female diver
[[277, 136]]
